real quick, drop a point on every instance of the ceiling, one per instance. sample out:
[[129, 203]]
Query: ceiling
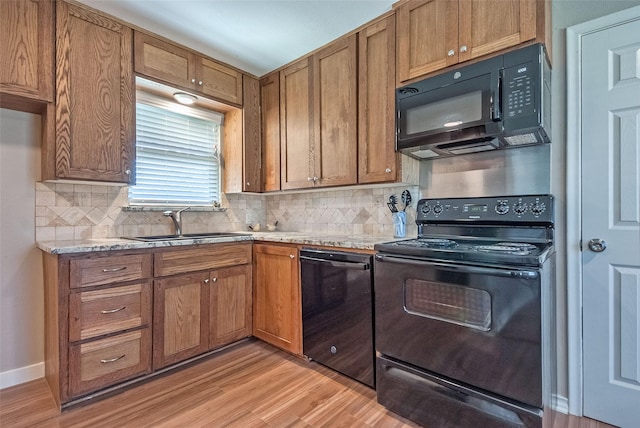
[[256, 36]]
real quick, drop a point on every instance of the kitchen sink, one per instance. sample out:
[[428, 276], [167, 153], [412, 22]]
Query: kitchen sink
[[185, 236]]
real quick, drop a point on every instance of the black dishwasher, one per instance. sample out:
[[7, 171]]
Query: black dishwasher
[[337, 318]]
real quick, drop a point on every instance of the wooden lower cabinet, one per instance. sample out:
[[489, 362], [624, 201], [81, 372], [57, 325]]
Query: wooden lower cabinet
[[230, 305], [277, 305], [181, 318]]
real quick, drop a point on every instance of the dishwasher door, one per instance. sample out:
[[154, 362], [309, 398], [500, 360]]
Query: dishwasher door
[[337, 317]]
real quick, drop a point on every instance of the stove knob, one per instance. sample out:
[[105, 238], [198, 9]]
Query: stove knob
[[502, 208], [425, 209], [538, 208], [437, 209], [520, 208]]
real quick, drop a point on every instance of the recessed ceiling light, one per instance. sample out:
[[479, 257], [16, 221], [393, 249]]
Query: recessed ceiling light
[[184, 98]]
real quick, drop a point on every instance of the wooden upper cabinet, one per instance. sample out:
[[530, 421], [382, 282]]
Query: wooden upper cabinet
[[427, 33], [27, 44], [434, 34], [491, 25], [95, 129], [296, 125], [252, 148], [164, 61], [183, 68], [377, 160], [270, 124], [335, 145]]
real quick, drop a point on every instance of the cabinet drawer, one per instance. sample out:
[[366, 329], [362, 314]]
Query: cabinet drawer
[[95, 313], [103, 362], [106, 270], [202, 258]]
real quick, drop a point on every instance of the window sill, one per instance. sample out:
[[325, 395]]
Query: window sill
[[144, 208]]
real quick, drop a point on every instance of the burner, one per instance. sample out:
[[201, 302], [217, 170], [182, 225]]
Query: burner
[[516, 248], [435, 242]]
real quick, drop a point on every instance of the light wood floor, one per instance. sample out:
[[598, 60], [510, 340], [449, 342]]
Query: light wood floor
[[250, 385]]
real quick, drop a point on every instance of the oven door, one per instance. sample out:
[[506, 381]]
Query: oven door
[[477, 325]]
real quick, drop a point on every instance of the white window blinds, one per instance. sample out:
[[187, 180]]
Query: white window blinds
[[177, 154]]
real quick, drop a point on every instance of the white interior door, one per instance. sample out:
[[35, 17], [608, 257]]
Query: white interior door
[[610, 96]]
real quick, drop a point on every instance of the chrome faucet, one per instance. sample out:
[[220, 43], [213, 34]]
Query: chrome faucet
[[177, 219]]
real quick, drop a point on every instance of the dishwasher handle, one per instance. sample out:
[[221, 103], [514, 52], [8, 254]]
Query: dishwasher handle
[[334, 263]]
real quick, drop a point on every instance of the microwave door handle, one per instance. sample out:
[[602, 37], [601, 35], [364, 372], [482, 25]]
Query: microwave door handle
[[496, 111]]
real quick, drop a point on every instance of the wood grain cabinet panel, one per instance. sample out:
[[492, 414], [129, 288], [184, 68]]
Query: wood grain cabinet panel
[[296, 126], [377, 160], [105, 311], [181, 318], [335, 145], [277, 305], [93, 271], [434, 34], [104, 362], [183, 68], [201, 258], [27, 44], [270, 125], [95, 128], [230, 296]]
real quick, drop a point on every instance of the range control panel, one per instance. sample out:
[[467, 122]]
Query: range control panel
[[520, 209]]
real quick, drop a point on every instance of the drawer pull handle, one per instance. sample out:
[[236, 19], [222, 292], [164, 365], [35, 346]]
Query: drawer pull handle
[[113, 360], [113, 311], [114, 269]]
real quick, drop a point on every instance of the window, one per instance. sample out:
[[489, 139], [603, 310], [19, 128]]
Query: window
[[177, 154]]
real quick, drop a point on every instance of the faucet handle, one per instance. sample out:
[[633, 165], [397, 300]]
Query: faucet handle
[[167, 213], [183, 209]]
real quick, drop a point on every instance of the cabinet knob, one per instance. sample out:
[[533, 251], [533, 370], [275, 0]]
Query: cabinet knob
[[214, 279], [291, 256], [248, 184], [388, 170], [309, 179], [127, 171], [315, 179], [193, 80], [199, 82], [451, 52], [463, 48], [206, 281]]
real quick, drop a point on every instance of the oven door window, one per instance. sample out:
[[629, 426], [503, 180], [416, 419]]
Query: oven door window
[[465, 306]]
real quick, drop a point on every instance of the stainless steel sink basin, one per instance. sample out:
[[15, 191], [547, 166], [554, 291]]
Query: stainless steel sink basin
[[185, 236]]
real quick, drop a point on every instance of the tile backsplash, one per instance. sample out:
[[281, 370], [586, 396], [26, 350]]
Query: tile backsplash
[[79, 211]]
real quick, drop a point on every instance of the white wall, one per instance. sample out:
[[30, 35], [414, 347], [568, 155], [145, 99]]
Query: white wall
[[21, 284]]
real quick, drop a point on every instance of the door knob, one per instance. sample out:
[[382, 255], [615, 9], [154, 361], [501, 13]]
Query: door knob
[[597, 245]]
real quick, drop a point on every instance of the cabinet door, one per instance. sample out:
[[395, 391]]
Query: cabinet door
[[270, 108], [181, 318], [26, 43], [296, 125], [492, 25], [161, 60], [377, 161], [95, 134], [230, 308], [252, 148], [277, 306], [427, 32], [218, 81], [335, 114]]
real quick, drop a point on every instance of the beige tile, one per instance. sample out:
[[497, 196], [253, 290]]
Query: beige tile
[[45, 198], [45, 233], [82, 232], [64, 233]]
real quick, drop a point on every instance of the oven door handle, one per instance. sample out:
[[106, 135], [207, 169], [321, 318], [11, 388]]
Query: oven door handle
[[521, 274], [347, 265]]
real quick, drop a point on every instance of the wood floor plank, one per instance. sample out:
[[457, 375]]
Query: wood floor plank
[[251, 385]]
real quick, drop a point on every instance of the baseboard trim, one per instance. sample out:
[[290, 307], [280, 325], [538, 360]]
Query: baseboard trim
[[21, 375], [560, 404]]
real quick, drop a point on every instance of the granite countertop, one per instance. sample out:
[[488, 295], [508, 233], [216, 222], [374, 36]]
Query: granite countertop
[[362, 242]]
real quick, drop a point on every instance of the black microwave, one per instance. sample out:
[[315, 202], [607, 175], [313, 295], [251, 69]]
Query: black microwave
[[498, 103]]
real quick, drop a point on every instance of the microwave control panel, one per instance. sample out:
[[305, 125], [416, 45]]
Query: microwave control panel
[[519, 90]]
